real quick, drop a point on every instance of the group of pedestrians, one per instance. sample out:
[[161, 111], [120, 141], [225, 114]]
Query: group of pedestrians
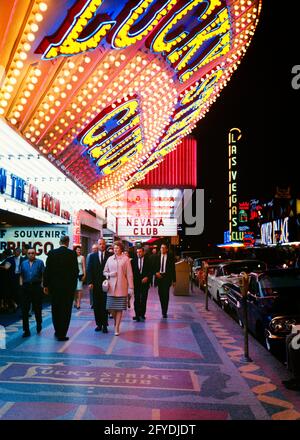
[[10, 272], [65, 271], [127, 277]]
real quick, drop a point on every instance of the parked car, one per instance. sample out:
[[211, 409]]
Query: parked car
[[228, 272], [273, 303], [213, 263], [198, 266]]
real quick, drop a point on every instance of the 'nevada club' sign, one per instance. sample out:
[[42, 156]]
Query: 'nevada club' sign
[[147, 227]]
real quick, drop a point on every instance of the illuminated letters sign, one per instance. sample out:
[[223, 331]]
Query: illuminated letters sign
[[146, 227], [255, 209], [269, 231], [249, 239], [17, 185], [188, 110], [235, 135], [154, 67], [184, 50], [3, 180], [125, 36], [16, 188], [33, 196], [114, 136], [50, 204], [206, 38], [71, 41], [76, 228]]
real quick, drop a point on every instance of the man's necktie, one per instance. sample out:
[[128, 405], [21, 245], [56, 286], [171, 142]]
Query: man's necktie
[[101, 258], [162, 264]]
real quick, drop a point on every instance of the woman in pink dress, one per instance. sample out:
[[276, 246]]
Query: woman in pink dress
[[118, 270]]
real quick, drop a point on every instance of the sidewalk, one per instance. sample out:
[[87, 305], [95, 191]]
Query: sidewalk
[[187, 367]]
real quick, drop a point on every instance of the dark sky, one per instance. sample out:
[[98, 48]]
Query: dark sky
[[260, 100]]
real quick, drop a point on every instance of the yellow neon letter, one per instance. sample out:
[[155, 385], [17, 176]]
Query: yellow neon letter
[[71, 44], [124, 38]]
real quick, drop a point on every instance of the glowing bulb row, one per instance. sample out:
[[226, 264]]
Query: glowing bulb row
[[16, 67], [80, 101]]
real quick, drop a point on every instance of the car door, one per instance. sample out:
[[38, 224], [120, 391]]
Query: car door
[[233, 295]]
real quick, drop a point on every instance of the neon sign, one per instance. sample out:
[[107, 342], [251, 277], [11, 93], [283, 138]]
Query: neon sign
[[269, 231], [187, 53], [207, 38], [114, 136], [234, 136], [70, 42], [124, 36], [16, 188], [151, 71], [189, 108]]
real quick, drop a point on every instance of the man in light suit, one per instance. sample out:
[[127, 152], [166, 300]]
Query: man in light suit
[[142, 274], [165, 275], [95, 279], [60, 280]]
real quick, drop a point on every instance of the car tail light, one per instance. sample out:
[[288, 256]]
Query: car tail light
[[282, 324]]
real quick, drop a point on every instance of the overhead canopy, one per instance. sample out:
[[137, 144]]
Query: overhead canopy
[[105, 89]]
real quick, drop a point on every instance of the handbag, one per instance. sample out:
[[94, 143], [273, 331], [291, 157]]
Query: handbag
[[105, 285]]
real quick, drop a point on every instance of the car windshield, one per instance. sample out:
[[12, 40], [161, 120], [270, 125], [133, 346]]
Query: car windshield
[[285, 288], [251, 266], [280, 282]]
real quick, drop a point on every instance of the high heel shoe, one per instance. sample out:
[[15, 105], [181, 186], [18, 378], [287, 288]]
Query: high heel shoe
[[117, 333]]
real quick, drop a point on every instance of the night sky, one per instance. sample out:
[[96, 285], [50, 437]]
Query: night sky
[[260, 100]]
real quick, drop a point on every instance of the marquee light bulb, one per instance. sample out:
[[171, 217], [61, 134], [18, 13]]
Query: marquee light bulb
[[34, 27], [43, 6], [38, 17], [26, 47], [23, 55], [30, 37]]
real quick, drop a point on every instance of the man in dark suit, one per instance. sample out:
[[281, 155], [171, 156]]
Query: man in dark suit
[[14, 276], [142, 273], [165, 275], [60, 280], [95, 279]]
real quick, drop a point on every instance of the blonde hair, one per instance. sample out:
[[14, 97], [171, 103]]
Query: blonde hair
[[120, 245]]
